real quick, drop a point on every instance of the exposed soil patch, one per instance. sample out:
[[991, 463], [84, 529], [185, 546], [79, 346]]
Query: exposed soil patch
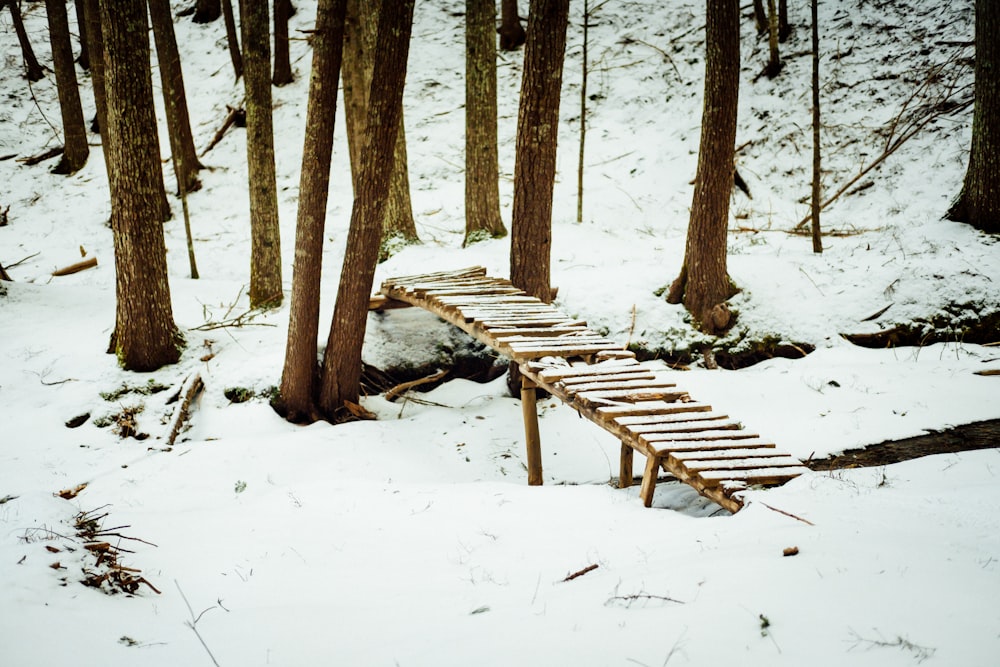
[[978, 435]]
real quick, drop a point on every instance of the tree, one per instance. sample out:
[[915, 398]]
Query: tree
[[537, 134], [511, 33], [95, 46], [774, 63], [75, 149], [760, 16], [265, 238], [817, 238], [341, 377], [359, 52], [300, 369], [81, 28], [174, 98], [282, 61], [482, 170], [145, 336], [206, 11], [232, 40], [784, 29], [33, 70], [703, 284], [979, 201]]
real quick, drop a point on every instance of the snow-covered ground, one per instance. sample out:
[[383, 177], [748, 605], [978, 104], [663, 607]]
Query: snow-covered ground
[[414, 539]]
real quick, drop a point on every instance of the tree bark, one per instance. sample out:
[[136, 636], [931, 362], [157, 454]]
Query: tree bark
[[342, 357], [206, 11], [95, 46], [359, 45], [33, 71], [703, 284], [298, 378], [74, 127], [265, 238], [817, 237], [145, 336], [979, 201], [232, 39], [537, 135], [482, 170], [174, 97], [512, 34], [784, 28], [282, 59], [760, 16], [83, 60], [774, 63]]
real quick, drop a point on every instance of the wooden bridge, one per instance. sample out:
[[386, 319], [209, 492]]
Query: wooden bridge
[[637, 402]]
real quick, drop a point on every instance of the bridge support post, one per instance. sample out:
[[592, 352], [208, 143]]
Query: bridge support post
[[625, 467], [532, 440]]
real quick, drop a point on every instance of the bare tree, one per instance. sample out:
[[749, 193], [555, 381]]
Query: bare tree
[[359, 52], [979, 201], [282, 59], [784, 28], [174, 97], [537, 134], [482, 170], [265, 237], [703, 284], [298, 378], [95, 46], [83, 60], [33, 70], [816, 203], [232, 39], [341, 377], [774, 63], [75, 149], [511, 33], [145, 336]]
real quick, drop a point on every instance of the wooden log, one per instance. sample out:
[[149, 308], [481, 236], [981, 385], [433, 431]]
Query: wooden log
[[533, 443], [83, 265], [396, 391], [189, 390], [625, 466], [649, 480]]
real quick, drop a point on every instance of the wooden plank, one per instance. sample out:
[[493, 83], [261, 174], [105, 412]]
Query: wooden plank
[[643, 408], [613, 367], [765, 476], [536, 331], [622, 385], [618, 396], [672, 447], [508, 322], [523, 354], [457, 273], [660, 439], [577, 380], [722, 454], [686, 426], [641, 423], [777, 461]]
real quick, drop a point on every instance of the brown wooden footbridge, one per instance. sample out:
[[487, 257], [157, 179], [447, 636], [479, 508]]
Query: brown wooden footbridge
[[637, 402]]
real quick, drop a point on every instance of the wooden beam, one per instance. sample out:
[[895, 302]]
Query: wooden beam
[[531, 438]]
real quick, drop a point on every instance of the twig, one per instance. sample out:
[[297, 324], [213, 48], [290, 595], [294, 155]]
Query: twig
[[41, 157], [788, 514], [193, 623], [580, 573], [22, 261], [194, 385], [629, 599]]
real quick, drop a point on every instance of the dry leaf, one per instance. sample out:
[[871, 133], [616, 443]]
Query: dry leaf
[[72, 492], [359, 411], [790, 551]]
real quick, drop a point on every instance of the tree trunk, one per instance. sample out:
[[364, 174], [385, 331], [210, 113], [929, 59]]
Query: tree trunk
[[174, 97], [145, 337], [979, 202], [482, 170], [342, 358], [95, 46], [784, 29], [232, 39], [206, 11], [817, 237], [511, 33], [299, 373], [359, 44], [282, 59], [83, 60], [703, 283], [265, 239], [537, 134], [774, 59], [760, 16], [74, 127], [33, 70]]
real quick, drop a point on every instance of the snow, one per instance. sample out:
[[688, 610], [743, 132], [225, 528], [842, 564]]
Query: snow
[[414, 539]]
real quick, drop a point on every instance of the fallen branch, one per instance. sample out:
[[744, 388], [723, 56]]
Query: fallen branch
[[88, 263], [580, 573], [231, 118], [190, 389], [399, 389], [989, 371], [41, 157], [788, 514]]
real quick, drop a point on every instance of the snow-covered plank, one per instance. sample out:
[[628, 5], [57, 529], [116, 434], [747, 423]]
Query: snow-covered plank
[[777, 461], [766, 476], [700, 412]]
